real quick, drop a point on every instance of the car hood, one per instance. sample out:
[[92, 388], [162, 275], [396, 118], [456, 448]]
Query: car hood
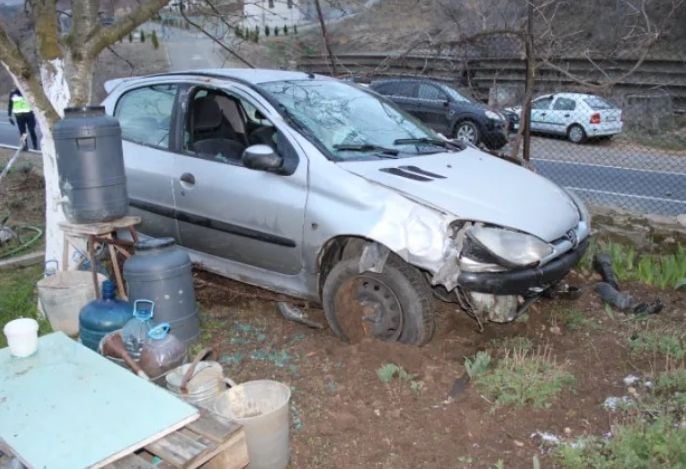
[[475, 186]]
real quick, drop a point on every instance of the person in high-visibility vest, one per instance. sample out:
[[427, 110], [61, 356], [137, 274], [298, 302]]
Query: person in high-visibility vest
[[24, 117]]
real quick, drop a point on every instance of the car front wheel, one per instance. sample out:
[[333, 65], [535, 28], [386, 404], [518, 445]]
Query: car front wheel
[[467, 131], [394, 305], [576, 134]]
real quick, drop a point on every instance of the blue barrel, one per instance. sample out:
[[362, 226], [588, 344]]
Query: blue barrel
[[100, 317], [90, 164], [161, 272]]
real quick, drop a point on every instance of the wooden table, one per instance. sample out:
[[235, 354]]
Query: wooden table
[[105, 233]]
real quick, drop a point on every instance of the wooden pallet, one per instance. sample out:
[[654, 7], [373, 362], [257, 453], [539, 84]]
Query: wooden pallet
[[211, 442]]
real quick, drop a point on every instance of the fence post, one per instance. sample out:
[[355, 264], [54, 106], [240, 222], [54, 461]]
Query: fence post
[[529, 84]]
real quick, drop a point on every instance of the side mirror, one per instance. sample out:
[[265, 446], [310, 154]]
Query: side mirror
[[446, 103], [261, 158]]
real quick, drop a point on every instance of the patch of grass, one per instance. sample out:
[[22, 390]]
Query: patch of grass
[[524, 377], [478, 365], [671, 381], [662, 342], [18, 298], [513, 343], [574, 320], [639, 444], [664, 271]]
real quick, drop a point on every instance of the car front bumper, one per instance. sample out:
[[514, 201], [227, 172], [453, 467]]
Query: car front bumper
[[522, 281]]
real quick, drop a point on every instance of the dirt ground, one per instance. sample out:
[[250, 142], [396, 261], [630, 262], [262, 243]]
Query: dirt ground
[[343, 415]]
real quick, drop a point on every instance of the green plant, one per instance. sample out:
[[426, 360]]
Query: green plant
[[477, 365], [638, 444], [664, 342], [671, 381], [130, 37], [524, 377], [142, 36], [154, 40], [513, 343], [285, 30], [573, 319], [266, 30], [389, 371], [295, 29], [276, 30], [18, 298]]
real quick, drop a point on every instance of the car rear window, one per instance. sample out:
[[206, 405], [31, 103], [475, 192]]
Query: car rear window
[[597, 103]]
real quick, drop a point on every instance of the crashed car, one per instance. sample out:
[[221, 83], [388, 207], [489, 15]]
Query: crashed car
[[319, 189]]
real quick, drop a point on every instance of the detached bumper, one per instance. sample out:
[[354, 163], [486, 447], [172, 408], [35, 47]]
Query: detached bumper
[[519, 282]]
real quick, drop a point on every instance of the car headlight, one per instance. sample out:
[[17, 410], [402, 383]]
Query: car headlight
[[493, 115], [514, 248]]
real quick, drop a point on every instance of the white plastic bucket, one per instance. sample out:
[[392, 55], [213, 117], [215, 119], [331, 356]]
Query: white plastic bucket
[[262, 408], [62, 296], [22, 336]]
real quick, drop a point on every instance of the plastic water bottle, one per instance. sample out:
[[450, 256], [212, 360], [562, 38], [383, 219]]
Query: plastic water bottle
[[135, 331]]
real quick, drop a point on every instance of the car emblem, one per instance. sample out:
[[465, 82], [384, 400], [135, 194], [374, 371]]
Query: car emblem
[[573, 238]]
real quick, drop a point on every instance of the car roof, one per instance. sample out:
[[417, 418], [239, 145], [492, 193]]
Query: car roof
[[252, 76], [407, 79], [570, 95]]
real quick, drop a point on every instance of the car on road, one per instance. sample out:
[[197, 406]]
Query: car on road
[[446, 110], [577, 116], [323, 190]]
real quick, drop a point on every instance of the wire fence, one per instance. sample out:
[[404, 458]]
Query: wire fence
[[612, 129]]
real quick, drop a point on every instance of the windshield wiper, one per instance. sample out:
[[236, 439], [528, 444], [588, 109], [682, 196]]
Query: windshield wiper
[[368, 148], [428, 141]]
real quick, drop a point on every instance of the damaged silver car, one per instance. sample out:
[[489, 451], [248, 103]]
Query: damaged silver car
[[317, 188]]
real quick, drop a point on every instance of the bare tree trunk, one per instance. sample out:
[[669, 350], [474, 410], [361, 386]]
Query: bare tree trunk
[[529, 85], [325, 37]]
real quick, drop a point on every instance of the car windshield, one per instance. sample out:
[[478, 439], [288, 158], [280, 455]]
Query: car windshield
[[352, 123], [456, 95], [597, 103]]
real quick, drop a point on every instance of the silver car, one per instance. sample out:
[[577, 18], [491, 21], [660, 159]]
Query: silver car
[[317, 188]]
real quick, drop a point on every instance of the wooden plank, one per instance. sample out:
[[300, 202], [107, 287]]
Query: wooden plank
[[132, 461], [214, 427], [93, 412], [97, 229], [233, 454], [24, 260], [176, 448]]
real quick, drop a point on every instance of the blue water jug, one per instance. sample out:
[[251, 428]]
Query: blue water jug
[[100, 317], [135, 331]]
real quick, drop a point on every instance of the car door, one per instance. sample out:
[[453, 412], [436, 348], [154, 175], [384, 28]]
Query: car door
[[433, 107], [403, 93], [539, 113], [243, 215], [562, 114], [145, 115]]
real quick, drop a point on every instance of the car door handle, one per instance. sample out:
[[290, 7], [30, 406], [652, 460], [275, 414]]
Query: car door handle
[[188, 178], [567, 115], [543, 113]]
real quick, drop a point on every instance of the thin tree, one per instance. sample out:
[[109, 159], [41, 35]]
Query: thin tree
[[62, 76]]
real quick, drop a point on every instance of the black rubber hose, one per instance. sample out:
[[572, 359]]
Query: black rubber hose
[[609, 294], [602, 263]]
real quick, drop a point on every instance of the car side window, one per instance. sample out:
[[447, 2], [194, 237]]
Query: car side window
[[543, 103], [145, 114], [399, 88], [431, 92], [564, 104]]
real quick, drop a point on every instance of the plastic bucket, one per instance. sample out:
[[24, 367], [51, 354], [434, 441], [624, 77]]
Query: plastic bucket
[[205, 385], [22, 336], [62, 296], [262, 408]]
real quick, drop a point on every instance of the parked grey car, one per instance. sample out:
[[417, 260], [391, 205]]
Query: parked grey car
[[320, 189]]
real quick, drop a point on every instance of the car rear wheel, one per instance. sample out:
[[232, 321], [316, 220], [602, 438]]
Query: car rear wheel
[[576, 134], [394, 305], [467, 131]]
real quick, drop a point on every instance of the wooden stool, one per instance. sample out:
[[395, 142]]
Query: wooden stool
[[104, 233]]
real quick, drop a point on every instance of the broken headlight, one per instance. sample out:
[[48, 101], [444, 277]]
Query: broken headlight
[[513, 248]]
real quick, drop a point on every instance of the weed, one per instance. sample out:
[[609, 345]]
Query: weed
[[524, 377], [477, 365], [18, 298], [660, 270], [671, 381], [636, 444], [666, 343], [573, 319], [388, 371], [513, 343]]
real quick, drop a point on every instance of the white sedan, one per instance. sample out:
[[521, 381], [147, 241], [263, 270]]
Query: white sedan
[[576, 115]]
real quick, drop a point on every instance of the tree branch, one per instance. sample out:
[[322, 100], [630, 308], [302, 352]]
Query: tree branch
[[103, 37], [20, 68], [45, 26]]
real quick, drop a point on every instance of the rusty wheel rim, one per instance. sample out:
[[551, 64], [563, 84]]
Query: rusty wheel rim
[[367, 308]]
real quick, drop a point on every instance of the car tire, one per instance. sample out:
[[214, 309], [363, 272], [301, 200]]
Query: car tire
[[576, 134], [467, 131], [394, 305]]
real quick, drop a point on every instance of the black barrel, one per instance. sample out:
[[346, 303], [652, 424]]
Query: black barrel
[[90, 163], [161, 272]]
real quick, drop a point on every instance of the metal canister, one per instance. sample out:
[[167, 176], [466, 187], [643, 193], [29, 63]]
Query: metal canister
[[90, 164], [161, 272]]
